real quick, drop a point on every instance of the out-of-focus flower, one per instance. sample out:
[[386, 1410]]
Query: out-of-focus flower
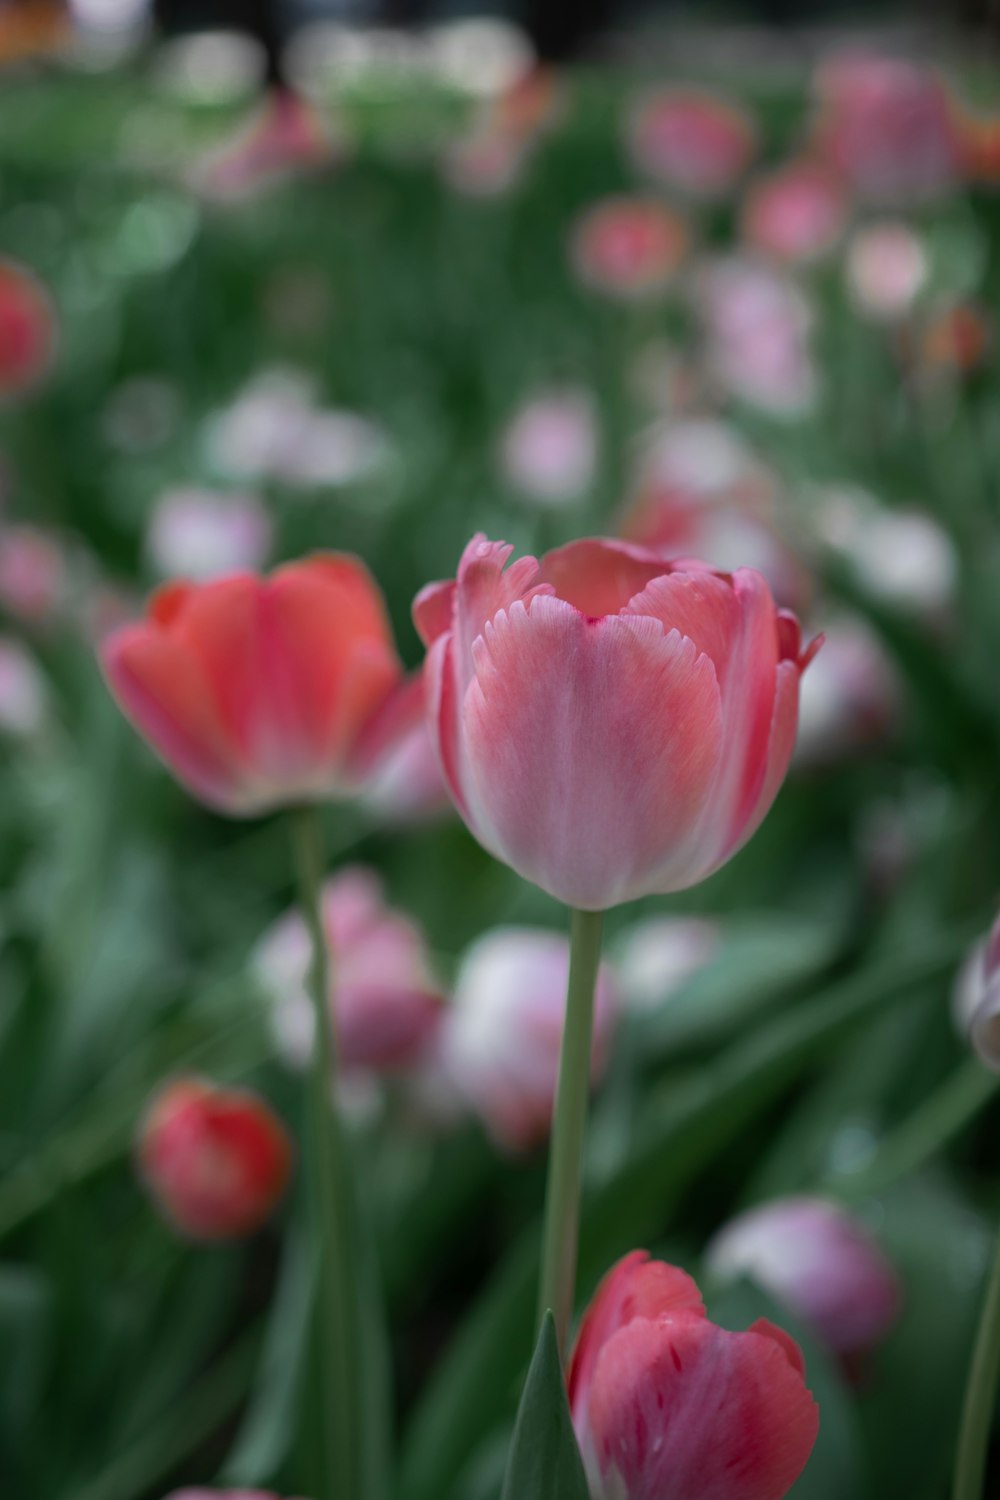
[[34, 578], [384, 1001], [216, 1160], [27, 329], [817, 1259], [202, 533], [23, 694], [692, 140], [658, 955], [628, 247], [955, 340], [549, 450], [758, 324], [796, 214], [609, 724], [275, 430], [902, 557], [403, 781], [500, 1041], [665, 1403], [286, 137], [888, 125], [258, 692], [976, 998], [852, 698], [887, 268], [701, 492]]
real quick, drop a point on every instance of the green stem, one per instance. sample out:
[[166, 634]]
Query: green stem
[[329, 1192], [980, 1395], [562, 1195]]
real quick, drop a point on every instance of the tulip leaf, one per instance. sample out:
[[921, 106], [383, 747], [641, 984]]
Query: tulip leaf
[[544, 1461]]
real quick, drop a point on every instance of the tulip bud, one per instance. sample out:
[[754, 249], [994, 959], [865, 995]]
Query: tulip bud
[[216, 1160], [502, 1032], [976, 998], [820, 1262], [384, 1001], [665, 1403]]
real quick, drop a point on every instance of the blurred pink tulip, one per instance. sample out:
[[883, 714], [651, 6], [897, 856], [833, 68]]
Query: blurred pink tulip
[[628, 247], [797, 214], [500, 1041], [887, 268], [976, 998], [758, 324], [200, 534], [23, 694], [609, 724], [667, 1406], [889, 126], [27, 329], [34, 577], [285, 138], [852, 699], [384, 1000], [900, 556], [258, 692], [403, 781], [216, 1160], [549, 450], [818, 1260], [658, 955], [692, 140]]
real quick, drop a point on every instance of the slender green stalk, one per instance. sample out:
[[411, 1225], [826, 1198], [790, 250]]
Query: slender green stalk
[[980, 1395], [562, 1196], [330, 1197]]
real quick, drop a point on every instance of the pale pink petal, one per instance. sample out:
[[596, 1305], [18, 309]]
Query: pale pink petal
[[434, 610]]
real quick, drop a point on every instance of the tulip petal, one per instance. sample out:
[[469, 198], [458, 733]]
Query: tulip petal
[[597, 576], [591, 748], [683, 1410], [483, 589], [434, 610]]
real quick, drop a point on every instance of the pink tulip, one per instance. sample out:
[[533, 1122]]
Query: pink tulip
[[628, 247], [609, 724], [285, 138], [384, 1001], [658, 955], [23, 693], [852, 699], [549, 450], [667, 1406], [257, 692], [758, 323], [216, 1160], [817, 1259], [976, 998], [692, 140], [889, 127], [502, 1032], [34, 578], [887, 268], [797, 214], [27, 330], [403, 781], [202, 534]]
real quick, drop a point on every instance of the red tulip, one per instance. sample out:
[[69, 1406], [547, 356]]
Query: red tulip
[[667, 1406], [609, 724], [27, 329], [216, 1160], [258, 692]]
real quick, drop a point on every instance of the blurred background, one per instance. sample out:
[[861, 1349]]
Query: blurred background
[[284, 276]]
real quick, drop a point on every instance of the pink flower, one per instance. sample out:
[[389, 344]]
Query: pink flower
[[976, 998], [502, 1032], [23, 694], [403, 781], [257, 692], [34, 579], [549, 450], [758, 324], [796, 214], [817, 1259], [657, 956], [889, 127], [201, 533], [27, 329], [692, 140], [667, 1406], [384, 1000], [852, 699], [900, 556], [887, 268], [286, 137], [216, 1160], [609, 724], [628, 247]]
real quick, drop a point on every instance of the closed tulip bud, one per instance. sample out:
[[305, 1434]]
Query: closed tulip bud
[[502, 1032], [216, 1160], [976, 998], [609, 724], [384, 1001], [821, 1263], [667, 1406], [258, 692]]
